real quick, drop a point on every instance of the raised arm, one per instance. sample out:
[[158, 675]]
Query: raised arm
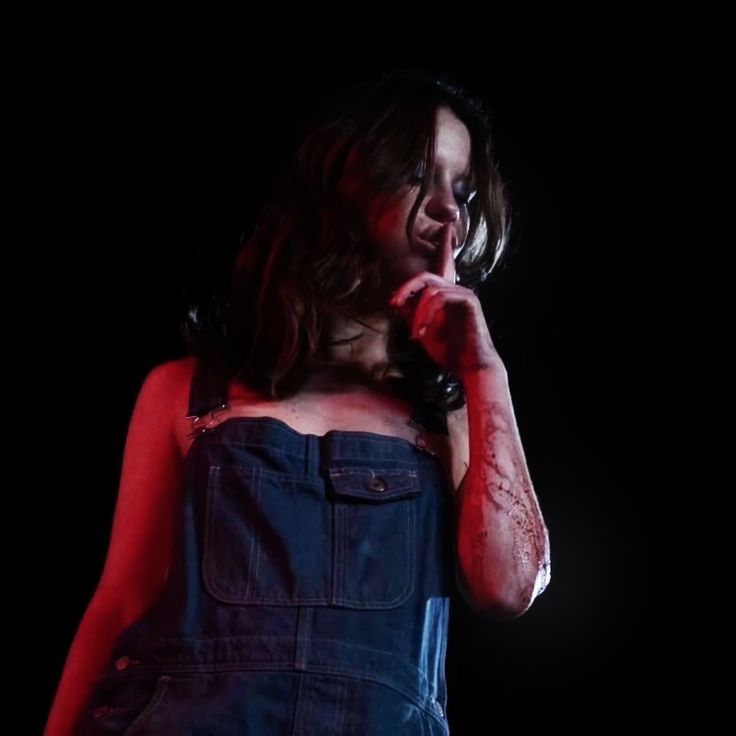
[[503, 557]]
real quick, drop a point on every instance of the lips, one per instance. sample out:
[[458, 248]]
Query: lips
[[424, 246], [432, 236]]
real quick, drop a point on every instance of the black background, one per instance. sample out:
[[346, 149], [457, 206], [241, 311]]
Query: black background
[[151, 167]]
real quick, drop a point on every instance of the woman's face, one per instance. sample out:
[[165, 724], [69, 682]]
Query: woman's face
[[446, 199]]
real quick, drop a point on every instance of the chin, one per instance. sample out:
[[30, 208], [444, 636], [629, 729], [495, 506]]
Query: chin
[[399, 272], [416, 264]]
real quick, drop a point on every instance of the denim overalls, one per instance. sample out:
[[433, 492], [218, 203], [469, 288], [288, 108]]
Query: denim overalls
[[309, 590]]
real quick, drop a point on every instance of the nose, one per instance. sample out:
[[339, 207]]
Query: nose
[[442, 206]]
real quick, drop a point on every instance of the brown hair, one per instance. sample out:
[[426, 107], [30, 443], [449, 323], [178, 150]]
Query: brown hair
[[308, 257]]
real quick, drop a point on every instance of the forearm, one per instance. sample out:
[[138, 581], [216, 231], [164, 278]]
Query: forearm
[[88, 654], [502, 541]]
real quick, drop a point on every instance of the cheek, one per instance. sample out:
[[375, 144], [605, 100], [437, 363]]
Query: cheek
[[388, 226]]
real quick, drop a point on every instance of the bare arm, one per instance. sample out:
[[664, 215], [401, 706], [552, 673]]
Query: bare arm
[[89, 652], [502, 540], [140, 544]]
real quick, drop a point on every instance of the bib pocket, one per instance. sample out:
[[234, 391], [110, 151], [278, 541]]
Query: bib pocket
[[345, 539]]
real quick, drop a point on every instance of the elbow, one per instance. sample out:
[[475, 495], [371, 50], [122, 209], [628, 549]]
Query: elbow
[[502, 600], [496, 608]]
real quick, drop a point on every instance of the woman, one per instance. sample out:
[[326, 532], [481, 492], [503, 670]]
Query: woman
[[300, 497]]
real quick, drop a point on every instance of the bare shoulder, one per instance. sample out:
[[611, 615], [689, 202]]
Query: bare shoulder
[[171, 382], [175, 375], [150, 490]]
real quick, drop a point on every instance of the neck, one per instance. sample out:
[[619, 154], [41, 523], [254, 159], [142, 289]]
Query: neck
[[353, 340], [353, 355]]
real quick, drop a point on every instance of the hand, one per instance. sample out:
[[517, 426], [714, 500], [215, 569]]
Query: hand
[[446, 319]]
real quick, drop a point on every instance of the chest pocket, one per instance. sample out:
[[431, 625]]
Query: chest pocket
[[348, 539]]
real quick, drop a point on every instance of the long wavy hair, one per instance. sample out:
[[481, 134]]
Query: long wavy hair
[[309, 257]]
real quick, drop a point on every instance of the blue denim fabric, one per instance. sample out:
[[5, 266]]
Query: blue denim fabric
[[309, 591]]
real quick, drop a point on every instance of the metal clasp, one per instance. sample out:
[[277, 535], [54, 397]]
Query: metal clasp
[[420, 441], [200, 425]]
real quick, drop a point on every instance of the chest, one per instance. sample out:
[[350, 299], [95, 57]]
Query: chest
[[353, 411], [318, 414]]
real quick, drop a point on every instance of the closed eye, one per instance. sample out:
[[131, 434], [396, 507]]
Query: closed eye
[[417, 177], [465, 199]]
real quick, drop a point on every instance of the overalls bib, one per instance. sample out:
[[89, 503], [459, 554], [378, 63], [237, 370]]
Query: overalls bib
[[308, 594]]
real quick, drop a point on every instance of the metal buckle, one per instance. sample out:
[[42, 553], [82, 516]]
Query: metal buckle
[[420, 441], [197, 428]]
